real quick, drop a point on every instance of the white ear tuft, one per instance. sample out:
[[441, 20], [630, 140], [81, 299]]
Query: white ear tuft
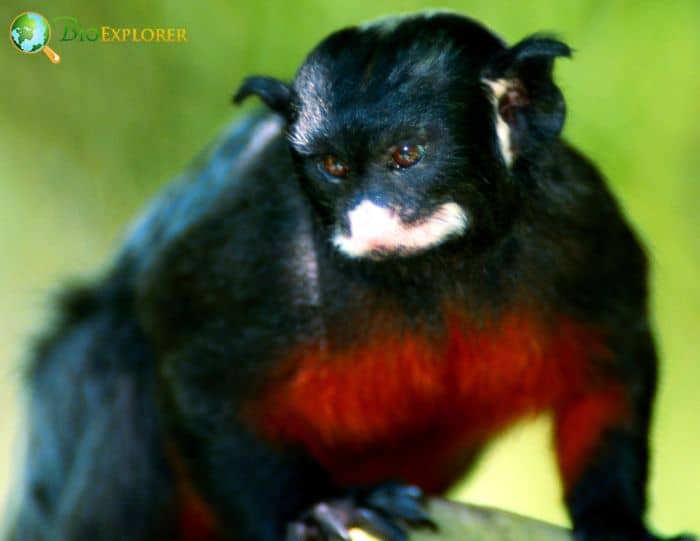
[[497, 91]]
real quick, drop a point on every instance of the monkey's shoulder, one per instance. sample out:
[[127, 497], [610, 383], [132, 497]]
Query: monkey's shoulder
[[243, 174], [230, 241], [576, 239]]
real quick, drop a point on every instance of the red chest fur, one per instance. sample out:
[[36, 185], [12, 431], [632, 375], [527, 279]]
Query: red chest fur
[[412, 408]]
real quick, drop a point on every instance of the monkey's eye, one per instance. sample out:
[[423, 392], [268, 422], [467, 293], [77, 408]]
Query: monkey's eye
[[334, 167], [406, 155]]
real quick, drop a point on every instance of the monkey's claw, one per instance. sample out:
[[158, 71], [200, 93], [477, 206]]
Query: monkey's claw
[[384, 512]]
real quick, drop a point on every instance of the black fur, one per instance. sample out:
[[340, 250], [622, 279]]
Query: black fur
[[234, 266], [274, 93]]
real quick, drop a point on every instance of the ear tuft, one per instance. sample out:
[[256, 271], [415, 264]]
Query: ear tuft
[[529, 108], [273, 92], [539, 46]]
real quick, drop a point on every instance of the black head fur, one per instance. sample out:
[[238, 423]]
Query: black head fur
[[417, 79]]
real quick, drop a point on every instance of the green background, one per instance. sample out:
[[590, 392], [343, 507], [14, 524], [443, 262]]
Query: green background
[[85, 143]]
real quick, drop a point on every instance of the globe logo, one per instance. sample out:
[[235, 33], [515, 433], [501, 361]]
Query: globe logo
[[30, 33]]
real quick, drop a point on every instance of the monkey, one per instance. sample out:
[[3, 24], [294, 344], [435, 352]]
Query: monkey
[[332, 313]]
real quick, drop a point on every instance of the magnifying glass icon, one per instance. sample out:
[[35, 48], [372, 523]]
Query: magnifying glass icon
[[30, 33]]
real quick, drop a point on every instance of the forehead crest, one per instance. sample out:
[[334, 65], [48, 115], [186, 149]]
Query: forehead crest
[[384, 65], [369, 70], [313, 106]]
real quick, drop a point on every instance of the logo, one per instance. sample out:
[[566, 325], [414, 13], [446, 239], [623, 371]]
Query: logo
[[30, 33], [72, 31]]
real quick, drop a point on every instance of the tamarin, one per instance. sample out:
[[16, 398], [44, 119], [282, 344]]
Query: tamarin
[[334, 312]]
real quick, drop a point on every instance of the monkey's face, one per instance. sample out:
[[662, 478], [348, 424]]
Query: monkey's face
[[405, 131], [393, 132]]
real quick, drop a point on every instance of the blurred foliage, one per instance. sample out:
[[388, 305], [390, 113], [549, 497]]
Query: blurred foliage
[[84, 144]]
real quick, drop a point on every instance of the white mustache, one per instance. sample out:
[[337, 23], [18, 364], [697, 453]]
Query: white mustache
[[376, 229]]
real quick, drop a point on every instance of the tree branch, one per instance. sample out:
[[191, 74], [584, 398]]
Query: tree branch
[[466, 522]]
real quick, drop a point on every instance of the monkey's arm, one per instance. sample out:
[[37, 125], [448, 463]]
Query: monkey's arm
[[602, 431], [602, 445], [218, 301], [250, 488]]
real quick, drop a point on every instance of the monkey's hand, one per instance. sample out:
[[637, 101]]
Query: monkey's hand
[[383, 512]]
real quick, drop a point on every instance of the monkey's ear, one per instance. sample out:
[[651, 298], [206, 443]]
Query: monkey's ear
[[273, 92], [529, 108]]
